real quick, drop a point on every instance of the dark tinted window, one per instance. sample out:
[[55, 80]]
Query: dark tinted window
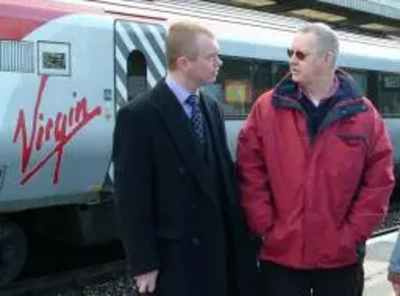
[[241, 81]]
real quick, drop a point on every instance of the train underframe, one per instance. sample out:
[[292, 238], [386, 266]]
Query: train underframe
[[31, 233]]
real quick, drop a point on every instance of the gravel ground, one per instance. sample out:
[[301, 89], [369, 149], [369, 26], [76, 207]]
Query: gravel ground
[[120, 286]]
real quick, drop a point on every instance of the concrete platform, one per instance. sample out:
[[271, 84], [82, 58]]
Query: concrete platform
[[376, 264]]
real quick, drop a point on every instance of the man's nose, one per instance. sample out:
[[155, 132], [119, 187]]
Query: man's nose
[[293, 59], [219, 62]]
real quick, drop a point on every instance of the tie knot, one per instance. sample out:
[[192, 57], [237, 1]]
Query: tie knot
[[192, 100]]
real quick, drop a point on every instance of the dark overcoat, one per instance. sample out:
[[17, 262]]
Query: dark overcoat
[[170, 216]]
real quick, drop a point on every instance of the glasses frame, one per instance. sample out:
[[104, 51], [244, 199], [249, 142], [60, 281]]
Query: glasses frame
[[300, 55]]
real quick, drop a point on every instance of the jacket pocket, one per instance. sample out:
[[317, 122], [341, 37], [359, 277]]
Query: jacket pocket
[[353, 140], [341, 250]]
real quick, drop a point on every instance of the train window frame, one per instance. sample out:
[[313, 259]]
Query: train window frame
[[53, 50]]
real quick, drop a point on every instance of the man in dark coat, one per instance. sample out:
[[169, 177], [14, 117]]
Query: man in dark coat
[[177, 203]]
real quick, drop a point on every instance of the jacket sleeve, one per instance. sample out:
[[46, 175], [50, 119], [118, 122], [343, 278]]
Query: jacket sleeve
[[252, 172], [133, 166], [376, 186]]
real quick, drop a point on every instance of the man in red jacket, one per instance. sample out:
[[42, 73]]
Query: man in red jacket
[[315, 166]]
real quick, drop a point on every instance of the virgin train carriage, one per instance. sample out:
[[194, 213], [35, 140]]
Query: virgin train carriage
[[67, 66]]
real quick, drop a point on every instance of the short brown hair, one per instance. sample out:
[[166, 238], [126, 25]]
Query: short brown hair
[[180, 40]]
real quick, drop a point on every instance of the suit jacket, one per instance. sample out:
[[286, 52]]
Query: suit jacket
[[161, 185]]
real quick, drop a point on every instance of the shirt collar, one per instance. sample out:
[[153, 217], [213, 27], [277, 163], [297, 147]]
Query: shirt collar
[[179, 91]]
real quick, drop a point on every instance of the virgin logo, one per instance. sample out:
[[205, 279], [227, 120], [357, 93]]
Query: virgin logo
[[59, 130]]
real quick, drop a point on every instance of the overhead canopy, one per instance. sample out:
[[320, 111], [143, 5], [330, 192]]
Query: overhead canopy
[[378, 17]]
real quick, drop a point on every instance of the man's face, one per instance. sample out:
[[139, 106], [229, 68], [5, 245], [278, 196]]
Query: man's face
[[307, 64], [203, 68]]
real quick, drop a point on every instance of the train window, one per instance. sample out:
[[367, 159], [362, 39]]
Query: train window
[[235, 80], [388, 94], [279, 71], [239, 83], [137, 74], [54, 58], [263, 80], [361, 78], [383, 89]]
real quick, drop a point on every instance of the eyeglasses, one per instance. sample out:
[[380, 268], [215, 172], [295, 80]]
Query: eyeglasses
[[300, 55]]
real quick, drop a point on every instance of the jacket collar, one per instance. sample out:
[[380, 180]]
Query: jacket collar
[[288, 89], [348, 99]]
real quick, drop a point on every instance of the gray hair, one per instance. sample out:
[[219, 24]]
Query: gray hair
[[327, 39]]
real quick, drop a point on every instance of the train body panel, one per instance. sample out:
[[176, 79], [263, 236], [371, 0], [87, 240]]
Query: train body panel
[[57, 121], [76, 67]]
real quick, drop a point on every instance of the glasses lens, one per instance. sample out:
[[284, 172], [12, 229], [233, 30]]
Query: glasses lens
[[300, 55]]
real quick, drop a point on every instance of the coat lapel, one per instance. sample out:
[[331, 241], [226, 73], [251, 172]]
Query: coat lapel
[[217, 139], [176, 123]]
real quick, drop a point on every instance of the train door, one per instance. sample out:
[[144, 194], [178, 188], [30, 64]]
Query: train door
[[139, 63], [139, 58]]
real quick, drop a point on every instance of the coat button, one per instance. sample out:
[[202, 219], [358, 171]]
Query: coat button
[[182, 170], [195, 241]]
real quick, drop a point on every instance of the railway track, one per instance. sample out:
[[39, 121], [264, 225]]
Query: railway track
[[71, 283]]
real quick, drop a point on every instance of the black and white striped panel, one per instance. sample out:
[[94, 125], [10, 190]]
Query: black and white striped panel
[[148, 39]]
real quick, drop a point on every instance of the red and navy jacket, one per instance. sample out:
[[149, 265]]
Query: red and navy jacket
[[314, 194]]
